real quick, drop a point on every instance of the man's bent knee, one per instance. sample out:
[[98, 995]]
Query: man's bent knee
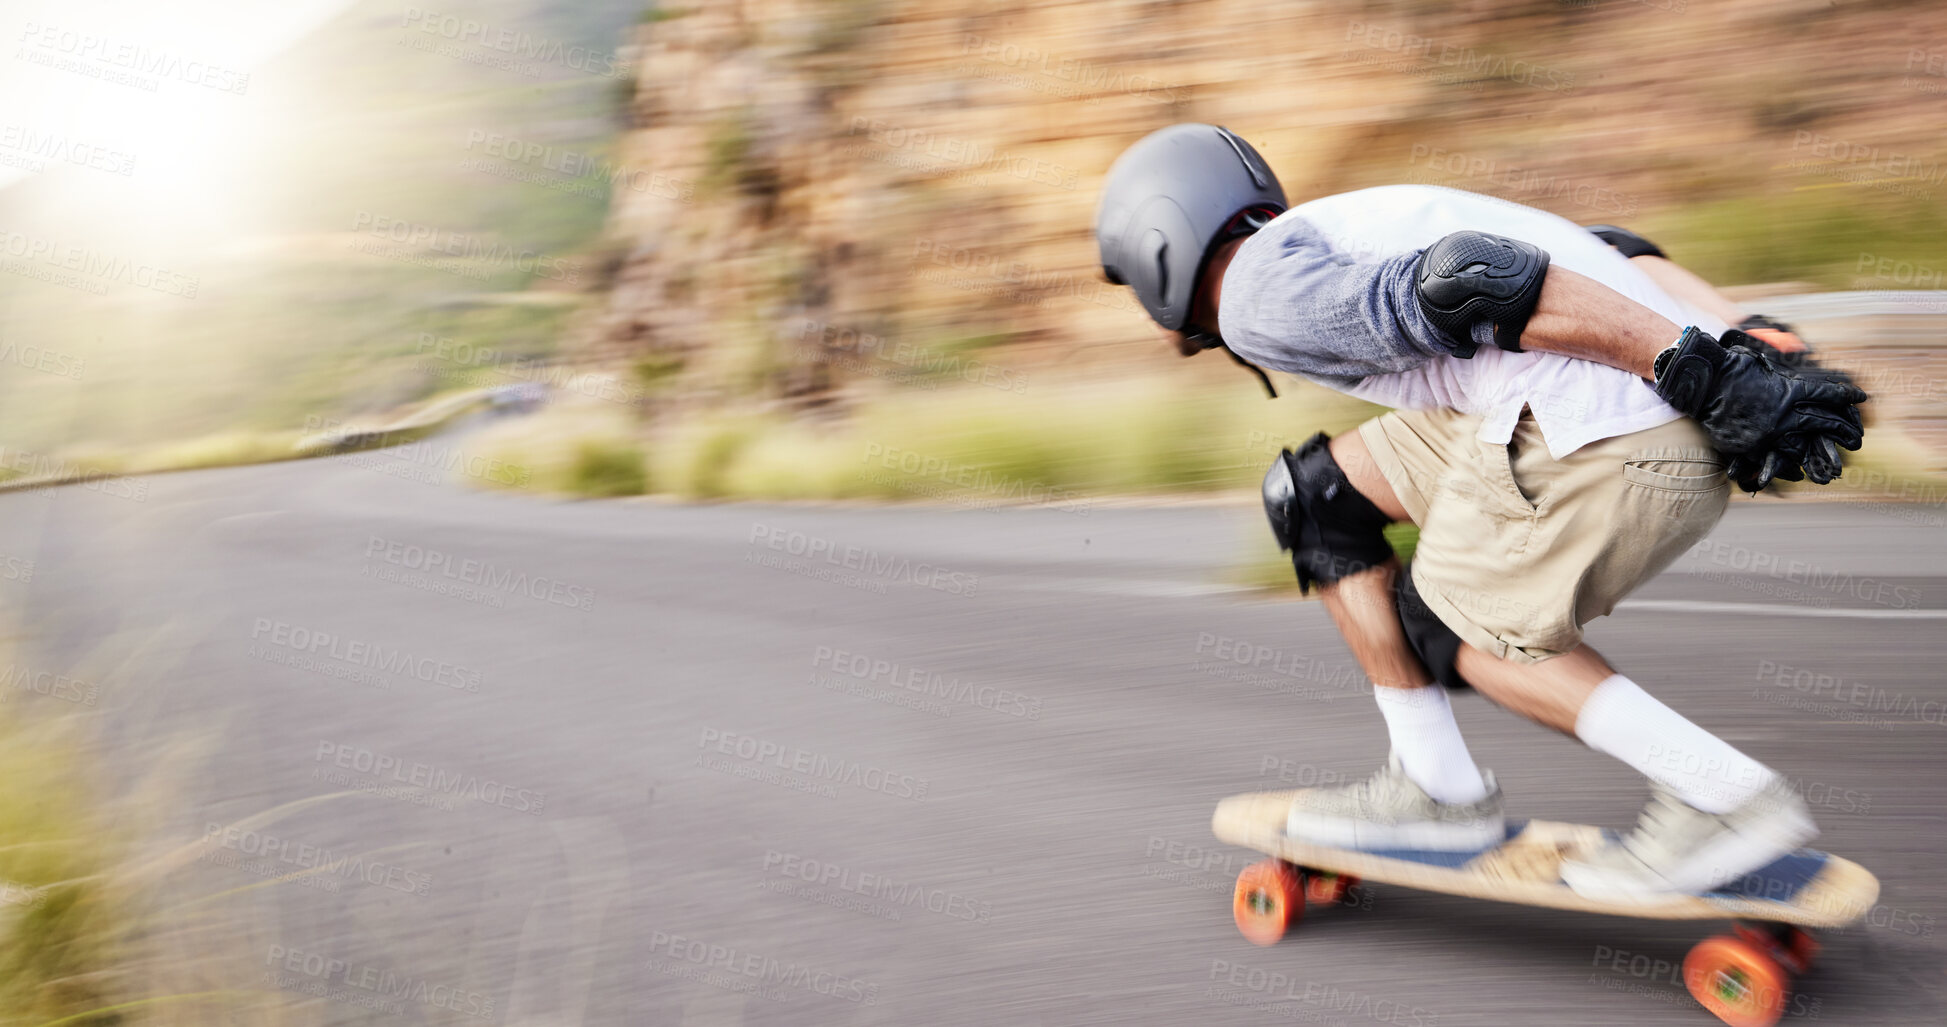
[[1331, 529], [1436, 644], [1355, 458]]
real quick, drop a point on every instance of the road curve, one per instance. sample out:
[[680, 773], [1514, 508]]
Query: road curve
[[635, 763]]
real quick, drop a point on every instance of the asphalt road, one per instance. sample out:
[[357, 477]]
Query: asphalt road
[[631, 763]]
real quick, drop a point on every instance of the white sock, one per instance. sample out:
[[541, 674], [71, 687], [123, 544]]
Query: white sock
[[1428, 743], [1624, 721]]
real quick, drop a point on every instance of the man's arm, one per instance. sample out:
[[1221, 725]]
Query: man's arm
[[1580, 317]]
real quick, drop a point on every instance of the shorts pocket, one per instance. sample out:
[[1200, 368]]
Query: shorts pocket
[[1636, 472]]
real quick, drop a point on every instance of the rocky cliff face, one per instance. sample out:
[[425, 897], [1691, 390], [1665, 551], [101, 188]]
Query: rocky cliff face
[[841, 193]]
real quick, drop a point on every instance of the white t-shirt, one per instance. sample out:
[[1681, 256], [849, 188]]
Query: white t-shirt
[[1575, 401]]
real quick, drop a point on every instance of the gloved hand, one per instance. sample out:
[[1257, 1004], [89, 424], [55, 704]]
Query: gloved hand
[[1773, 421], [1753, 473]]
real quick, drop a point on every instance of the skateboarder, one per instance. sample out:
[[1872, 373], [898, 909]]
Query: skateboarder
[[1568, 416]]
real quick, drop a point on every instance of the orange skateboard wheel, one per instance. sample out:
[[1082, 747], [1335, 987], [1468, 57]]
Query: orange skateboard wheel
[[1737, 981], [1324, 888], [1269, 899]]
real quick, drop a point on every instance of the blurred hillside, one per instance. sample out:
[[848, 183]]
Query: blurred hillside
[[834, 225], [901, 191], [395, 206]]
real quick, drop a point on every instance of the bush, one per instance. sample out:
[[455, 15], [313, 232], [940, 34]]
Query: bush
[[605, 468]]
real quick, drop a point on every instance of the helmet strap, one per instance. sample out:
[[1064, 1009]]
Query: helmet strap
[[1247, 365]]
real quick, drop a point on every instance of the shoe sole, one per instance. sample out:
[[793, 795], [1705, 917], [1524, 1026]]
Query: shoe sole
[[1723, 861]]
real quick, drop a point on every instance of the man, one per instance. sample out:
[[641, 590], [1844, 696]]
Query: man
[[1564, 411]]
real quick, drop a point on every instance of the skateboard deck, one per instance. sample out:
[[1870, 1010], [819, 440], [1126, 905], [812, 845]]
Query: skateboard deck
[[1807, 888]]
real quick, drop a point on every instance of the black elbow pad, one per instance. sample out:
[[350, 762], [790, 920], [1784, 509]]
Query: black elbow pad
[[1472, 278]]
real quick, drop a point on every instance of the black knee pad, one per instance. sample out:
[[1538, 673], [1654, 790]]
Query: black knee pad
[[1626, 242], [1331, 530], [1432, 640]]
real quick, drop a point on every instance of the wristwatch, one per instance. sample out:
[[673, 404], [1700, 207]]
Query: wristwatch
[[1662, 361]]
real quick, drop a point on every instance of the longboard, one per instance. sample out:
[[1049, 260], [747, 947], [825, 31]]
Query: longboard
[[1741, 978]]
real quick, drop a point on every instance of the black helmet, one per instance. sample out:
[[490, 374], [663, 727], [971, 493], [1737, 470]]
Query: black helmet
[[1167, 202]]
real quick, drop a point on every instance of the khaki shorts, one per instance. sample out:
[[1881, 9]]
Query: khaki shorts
[[1518, 550]]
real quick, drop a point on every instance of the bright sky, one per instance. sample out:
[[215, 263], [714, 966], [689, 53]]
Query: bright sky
[[61, 107]]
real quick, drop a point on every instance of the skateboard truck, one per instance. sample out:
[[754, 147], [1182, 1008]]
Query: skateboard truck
[[1271, 896]]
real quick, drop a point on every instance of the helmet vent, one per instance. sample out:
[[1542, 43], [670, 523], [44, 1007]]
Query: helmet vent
[[1156, 249], [1259, 175]]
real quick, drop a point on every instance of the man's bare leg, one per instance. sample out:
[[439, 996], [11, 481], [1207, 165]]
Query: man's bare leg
[[1626, 722], [1550, 693], [1419, 718]]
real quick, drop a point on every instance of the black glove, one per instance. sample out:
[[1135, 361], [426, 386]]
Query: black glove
[[1754, 471], [1772, 420]]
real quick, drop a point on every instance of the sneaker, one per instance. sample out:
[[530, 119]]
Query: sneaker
[[1677, 847], [1389, 811]]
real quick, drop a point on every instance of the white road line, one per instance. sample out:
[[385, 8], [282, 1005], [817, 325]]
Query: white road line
[[1771, 610]]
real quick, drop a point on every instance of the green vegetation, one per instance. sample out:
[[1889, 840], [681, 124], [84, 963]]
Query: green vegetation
[[63, 919], [1054, 444], [1811, 234], [606, 469]]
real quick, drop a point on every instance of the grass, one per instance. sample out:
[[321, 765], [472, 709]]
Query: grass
[[969, 445], [62, 915], [1809, 234], [604, 468]]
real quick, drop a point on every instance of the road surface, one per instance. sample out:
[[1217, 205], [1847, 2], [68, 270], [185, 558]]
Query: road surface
[[635, 763]]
